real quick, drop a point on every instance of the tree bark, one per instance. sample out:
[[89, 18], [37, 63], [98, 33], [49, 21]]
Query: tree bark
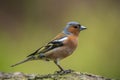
[[56, 76]]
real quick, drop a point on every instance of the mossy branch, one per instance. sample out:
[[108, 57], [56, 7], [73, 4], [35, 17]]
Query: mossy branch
[[55, 76]]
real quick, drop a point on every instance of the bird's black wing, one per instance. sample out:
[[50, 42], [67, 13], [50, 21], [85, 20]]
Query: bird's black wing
[[51, 45], [34, 52], [58, 42]]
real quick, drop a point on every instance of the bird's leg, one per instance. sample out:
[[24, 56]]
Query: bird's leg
[[57, 63], [62, 71]]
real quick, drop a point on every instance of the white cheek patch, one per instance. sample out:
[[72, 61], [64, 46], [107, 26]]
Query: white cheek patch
[[62, 39]]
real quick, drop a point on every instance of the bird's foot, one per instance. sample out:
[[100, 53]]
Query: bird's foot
[[64, 71]]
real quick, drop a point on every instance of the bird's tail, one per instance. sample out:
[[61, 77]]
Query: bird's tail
[[27, 59]]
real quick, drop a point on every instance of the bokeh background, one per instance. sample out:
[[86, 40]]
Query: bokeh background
[[25, 25]]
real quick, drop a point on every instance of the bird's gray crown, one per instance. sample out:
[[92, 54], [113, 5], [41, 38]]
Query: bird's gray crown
[[68, 25], [73, 23]]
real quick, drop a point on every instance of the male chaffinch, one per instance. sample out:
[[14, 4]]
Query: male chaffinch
[[60, 47]]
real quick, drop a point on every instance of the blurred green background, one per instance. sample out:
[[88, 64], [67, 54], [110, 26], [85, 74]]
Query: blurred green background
[[25, 25]]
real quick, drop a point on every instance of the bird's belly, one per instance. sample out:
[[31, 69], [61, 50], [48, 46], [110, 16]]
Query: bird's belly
[[59, 53]]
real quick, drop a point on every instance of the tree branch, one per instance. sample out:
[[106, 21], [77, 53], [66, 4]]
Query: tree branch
[[55, 76]]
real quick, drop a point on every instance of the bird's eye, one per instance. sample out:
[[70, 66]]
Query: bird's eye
[[75, 27]]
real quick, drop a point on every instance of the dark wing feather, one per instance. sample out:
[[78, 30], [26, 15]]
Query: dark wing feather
[[34, 52], [51, 45], [54, 43]]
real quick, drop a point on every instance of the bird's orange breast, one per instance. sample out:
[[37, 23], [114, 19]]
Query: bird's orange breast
[[71, 42]]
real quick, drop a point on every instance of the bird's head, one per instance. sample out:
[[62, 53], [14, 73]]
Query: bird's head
[[73, 28]]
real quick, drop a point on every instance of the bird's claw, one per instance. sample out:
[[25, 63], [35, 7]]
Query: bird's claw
[[64, 71]]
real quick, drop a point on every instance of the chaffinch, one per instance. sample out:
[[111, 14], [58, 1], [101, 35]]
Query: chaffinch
[[60, 47]]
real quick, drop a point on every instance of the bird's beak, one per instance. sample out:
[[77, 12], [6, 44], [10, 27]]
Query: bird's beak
[[82, 28]]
